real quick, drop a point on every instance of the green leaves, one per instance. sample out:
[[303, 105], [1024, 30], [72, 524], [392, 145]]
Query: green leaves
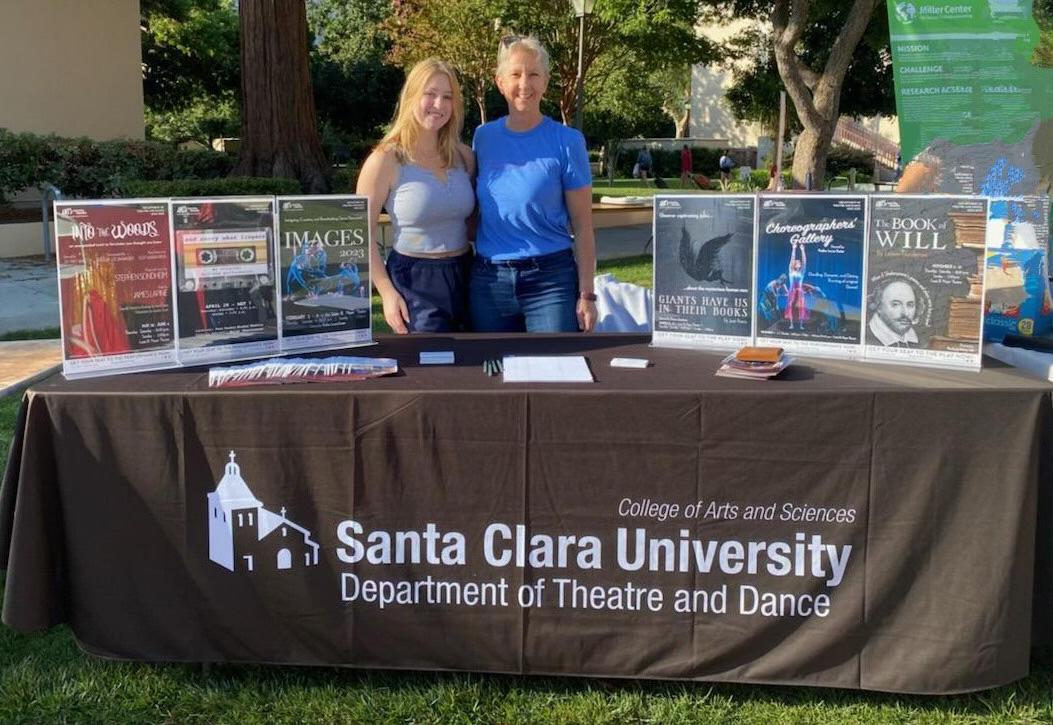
[[189, 51]]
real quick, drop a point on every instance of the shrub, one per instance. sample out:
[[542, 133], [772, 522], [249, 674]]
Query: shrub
[[667, 163], [345, 179], [842, 158], [232, 186], [17, 162], [83, 168]]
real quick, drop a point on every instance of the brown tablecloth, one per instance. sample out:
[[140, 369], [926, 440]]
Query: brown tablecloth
[[849, 524]]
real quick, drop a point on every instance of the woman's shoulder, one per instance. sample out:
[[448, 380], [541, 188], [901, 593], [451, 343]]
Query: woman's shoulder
[[384, 156], [487, 131], [568, 135], [466, 157], [380, 167]]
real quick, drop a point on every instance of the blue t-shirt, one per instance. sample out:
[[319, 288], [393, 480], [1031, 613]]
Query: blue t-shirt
[[522, 177]]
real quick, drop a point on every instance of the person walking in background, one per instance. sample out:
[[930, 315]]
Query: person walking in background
[[643, 164], [422, 175], [534, 186], [686, 166], [726, 165]]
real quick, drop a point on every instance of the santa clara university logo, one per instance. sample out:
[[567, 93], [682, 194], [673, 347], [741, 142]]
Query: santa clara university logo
[[244, 536]]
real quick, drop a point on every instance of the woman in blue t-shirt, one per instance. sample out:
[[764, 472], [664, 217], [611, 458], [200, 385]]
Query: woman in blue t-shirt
[[534, 186], [422, 175]]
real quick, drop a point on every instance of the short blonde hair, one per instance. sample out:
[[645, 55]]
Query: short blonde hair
[[405, 129], [528, 43]]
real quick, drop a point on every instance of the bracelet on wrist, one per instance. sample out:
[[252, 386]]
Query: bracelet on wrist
[[587, 296]]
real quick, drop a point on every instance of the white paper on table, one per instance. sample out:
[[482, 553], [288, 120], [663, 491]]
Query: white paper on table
[[547, 369]]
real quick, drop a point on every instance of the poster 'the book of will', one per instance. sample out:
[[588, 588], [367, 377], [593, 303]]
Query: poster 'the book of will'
[[925, 279]]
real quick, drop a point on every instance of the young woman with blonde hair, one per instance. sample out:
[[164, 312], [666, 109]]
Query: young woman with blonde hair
[[422, 175]]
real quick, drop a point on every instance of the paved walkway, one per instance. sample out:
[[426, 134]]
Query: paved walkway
[[28, 294], [25, 362], [29, 301]]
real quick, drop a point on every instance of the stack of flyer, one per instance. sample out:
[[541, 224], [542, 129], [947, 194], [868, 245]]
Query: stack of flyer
[[278, 371], [754, 363]]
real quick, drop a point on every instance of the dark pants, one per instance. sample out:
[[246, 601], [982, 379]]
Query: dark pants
[[435, 290]]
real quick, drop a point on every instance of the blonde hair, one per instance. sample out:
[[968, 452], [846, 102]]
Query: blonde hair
[[405, 129], [512, 43]]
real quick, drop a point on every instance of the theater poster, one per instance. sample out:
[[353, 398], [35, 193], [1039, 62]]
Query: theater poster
[[703, 270], [810, 250], [115, 286], [323, 255], [925, 266], [224, 275]]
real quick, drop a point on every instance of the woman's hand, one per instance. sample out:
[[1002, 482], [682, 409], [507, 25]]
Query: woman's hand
[[586, 315], [396, 314]]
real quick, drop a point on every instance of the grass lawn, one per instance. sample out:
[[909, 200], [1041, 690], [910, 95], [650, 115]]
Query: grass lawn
[[46, 678], [48, 333]]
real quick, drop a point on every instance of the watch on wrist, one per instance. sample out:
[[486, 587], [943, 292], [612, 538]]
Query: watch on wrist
[[587, 296]]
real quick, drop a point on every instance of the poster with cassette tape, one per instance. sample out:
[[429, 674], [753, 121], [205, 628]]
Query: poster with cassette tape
[[225, 278], [115, 286], [323, 258]]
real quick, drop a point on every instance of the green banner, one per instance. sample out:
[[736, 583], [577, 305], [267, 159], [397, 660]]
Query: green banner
[[974, 93]]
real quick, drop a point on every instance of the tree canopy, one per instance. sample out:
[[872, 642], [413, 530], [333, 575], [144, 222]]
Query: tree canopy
[[624, 39], [754, 93], [831, 57], [354, 86], [190, 67]]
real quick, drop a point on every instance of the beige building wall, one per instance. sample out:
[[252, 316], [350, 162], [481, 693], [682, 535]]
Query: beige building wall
[[710, 115], [71, 67], [712, 118]]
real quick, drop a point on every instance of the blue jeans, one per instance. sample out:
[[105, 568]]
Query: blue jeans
[[536, 294]]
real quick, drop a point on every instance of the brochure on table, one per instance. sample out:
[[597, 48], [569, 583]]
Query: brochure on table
[[323, 256], [224, 275], [114, 262], [810, 254], [703, 270], [146, 284], [925, 279]]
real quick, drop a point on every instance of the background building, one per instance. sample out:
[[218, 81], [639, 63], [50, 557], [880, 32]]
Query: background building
[[711, 117], [71, 68]]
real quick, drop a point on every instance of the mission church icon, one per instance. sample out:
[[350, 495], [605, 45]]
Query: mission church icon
[[242, 535]]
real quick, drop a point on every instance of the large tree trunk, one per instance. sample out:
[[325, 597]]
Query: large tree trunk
[[809, 156], [279, 135], [683, 125], [816, 96]]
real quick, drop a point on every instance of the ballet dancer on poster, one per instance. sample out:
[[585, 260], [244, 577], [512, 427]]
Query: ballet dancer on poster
[[796, 306]]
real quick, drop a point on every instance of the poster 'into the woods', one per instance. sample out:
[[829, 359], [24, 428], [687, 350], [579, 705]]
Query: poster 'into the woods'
[[323, 253], [115, 286], [810, 272], [925, 279], [225, 278], [703, 270]]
